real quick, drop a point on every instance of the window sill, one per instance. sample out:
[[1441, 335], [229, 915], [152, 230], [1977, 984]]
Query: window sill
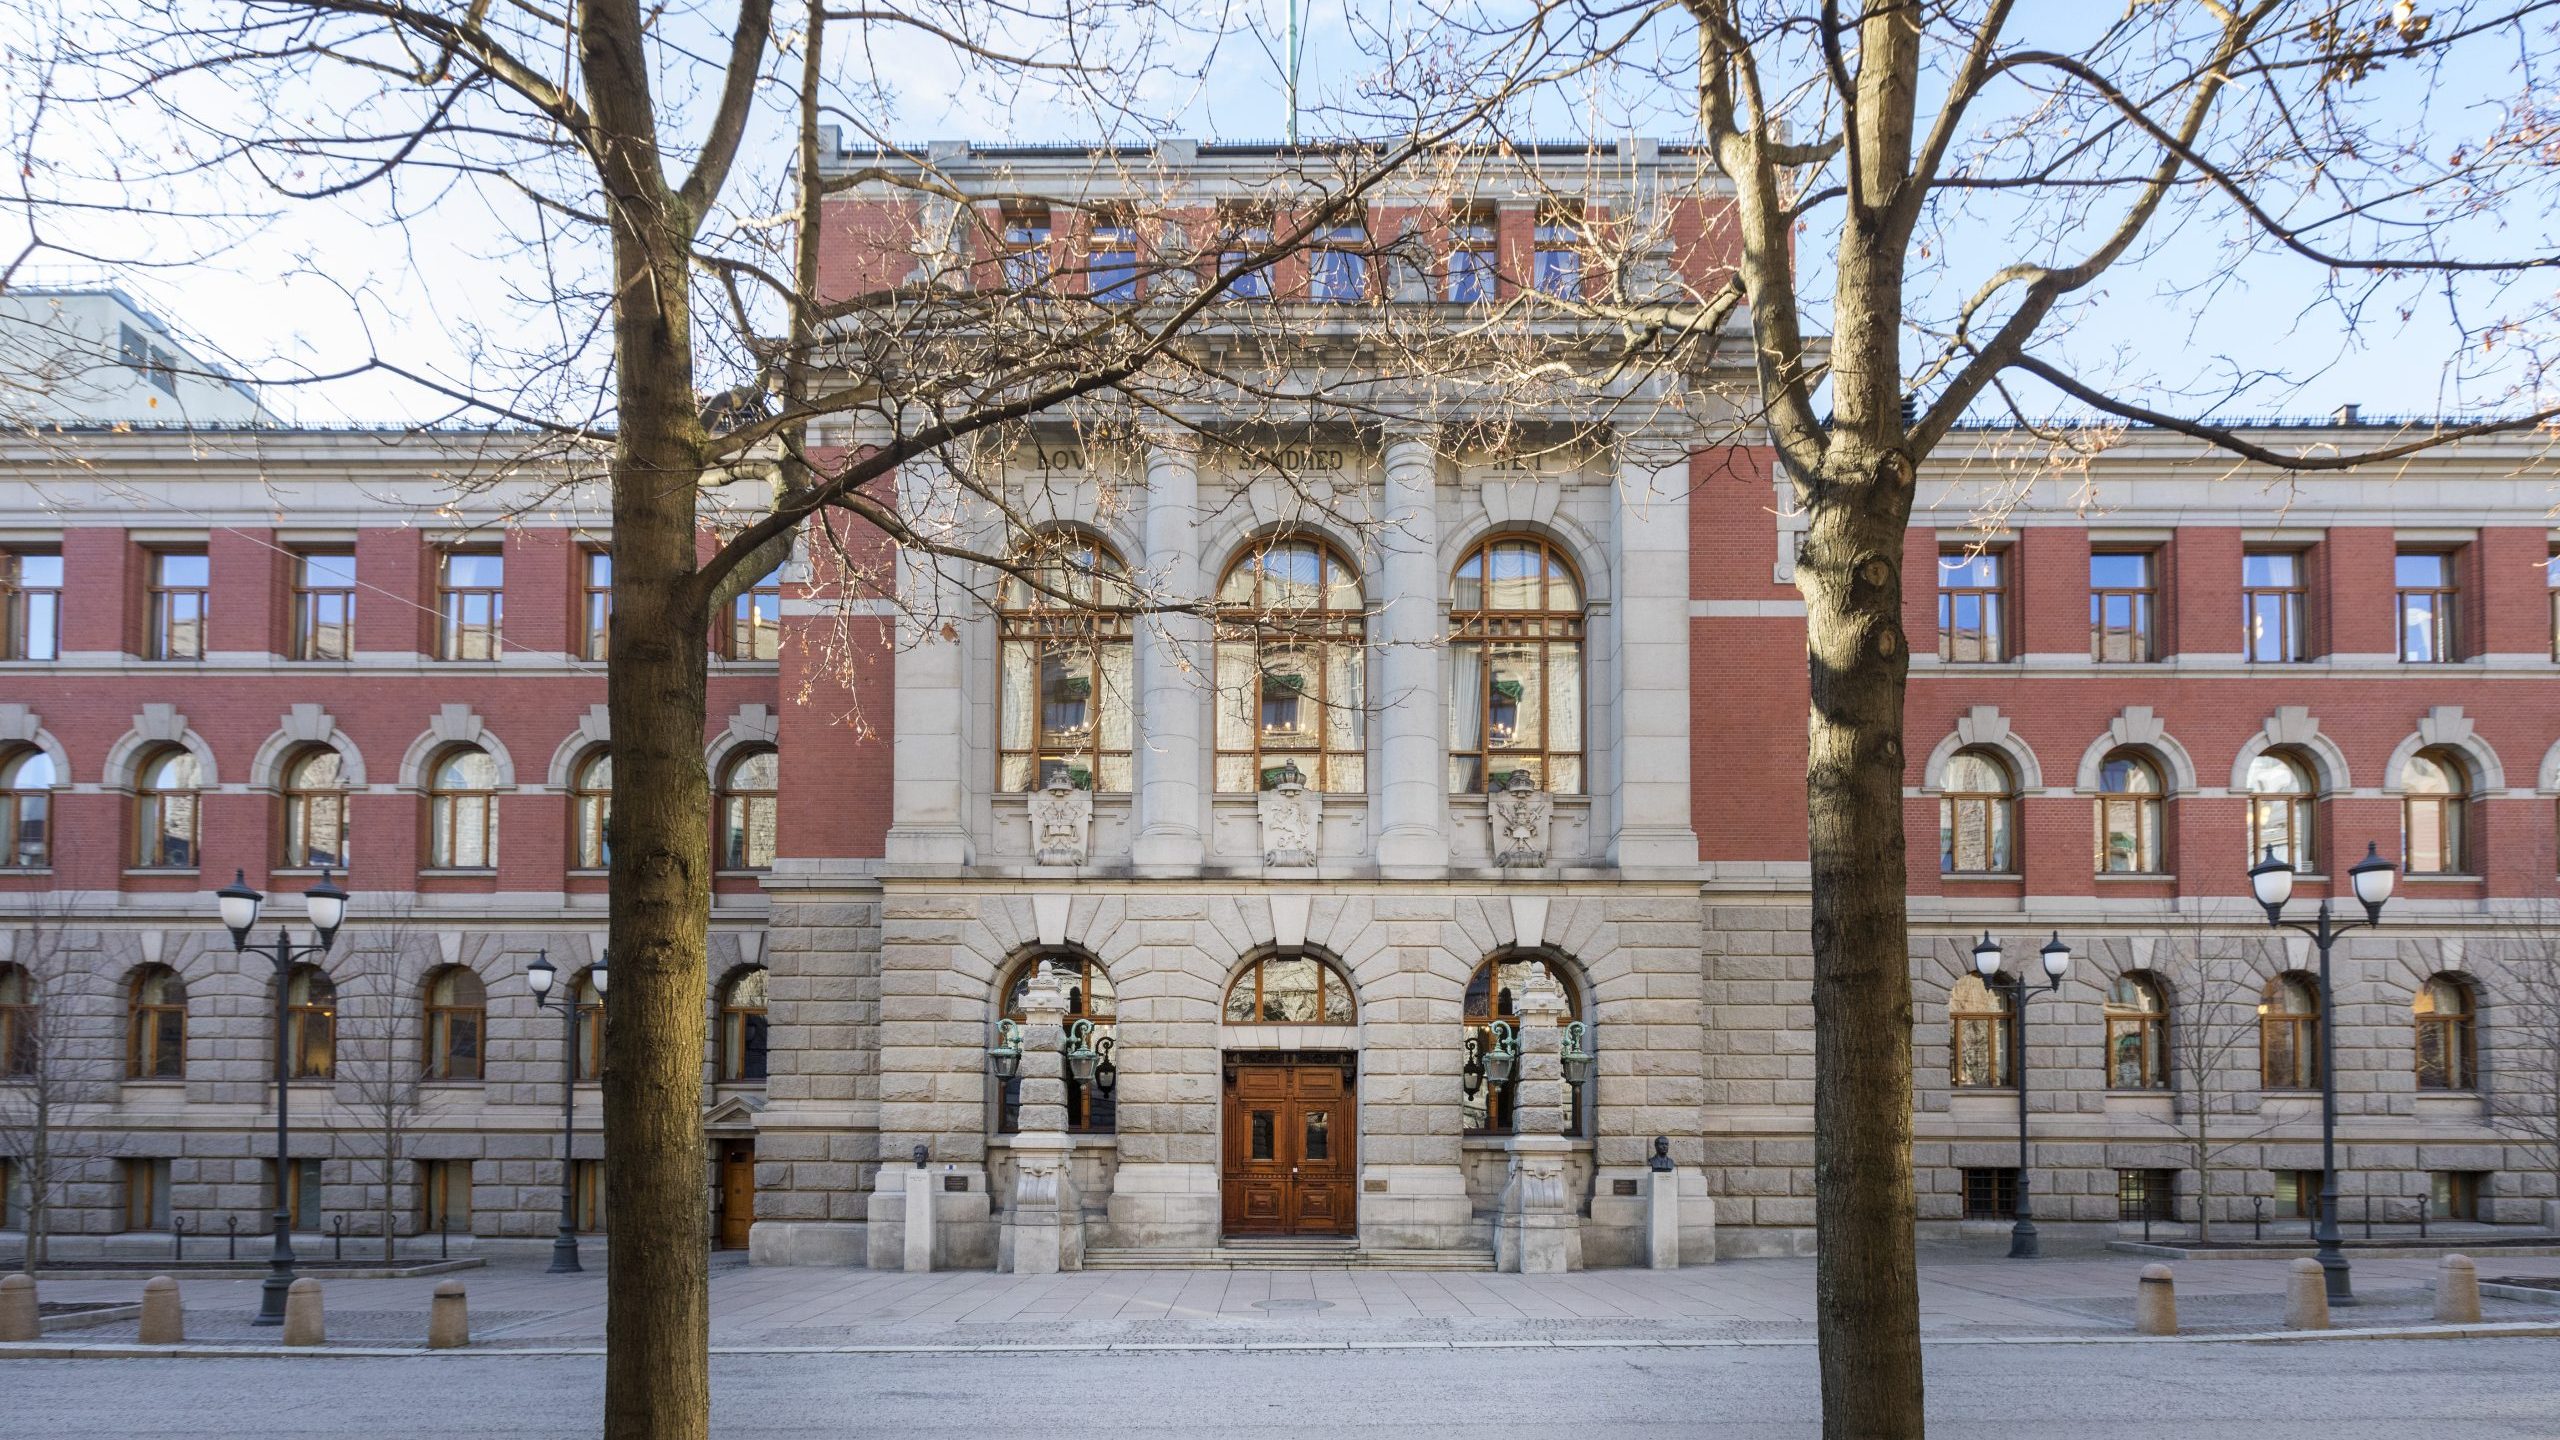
[[147, 871], [749, 873], [2134, 877], [1969, 877], [2440, 877], [589, 872], [453, 1084], [26, 869], [474, 872]]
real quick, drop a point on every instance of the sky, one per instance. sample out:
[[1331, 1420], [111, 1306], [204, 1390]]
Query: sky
[[280, 287]]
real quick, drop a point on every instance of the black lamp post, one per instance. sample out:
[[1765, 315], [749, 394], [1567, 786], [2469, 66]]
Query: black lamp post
[[1986, 963], [2271, 881], [540, 978], [326, 906]]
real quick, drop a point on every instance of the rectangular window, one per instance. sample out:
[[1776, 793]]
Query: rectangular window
[[2271, 597], [324, 604], [2455, 1194], [1973, 600], [755, 622], [146, 1194], [301, 1194], [598, 606], [1471, 251], [2427, 597], [1112, 258], [2298, 1194], [586, 1186], [1556, 265], [1338, 268], [471, 603], [30, 604], [2551, 582], [1247, 233], [2146, 1195], [1026, 250], [154, 364], [2120, 595], [1991, 1194], [180, 580], [444, 1197], [8, 1193]]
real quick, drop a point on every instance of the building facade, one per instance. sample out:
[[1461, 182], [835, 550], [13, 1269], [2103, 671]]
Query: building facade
[[1479, 746]]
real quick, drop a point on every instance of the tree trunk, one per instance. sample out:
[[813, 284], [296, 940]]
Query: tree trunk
[[1867, 1279]]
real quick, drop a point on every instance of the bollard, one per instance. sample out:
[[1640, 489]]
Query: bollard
[[338, 1237], [178, 1241], [2155, 1302], [2458, 1291], [449, 1318], [18, 1315], [2306, 1297], [231, 1242], [164, 1318], [303, 1324]]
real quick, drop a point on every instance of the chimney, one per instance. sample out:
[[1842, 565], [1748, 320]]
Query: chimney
[[2346, 415]]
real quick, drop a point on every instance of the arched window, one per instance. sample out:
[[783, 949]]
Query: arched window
[[1977, 799], [457, 1024], [164, 810], [2280, 809], [2289, 1034], [462, 810], [155, 1025], [1091, 1109], [21, 1023], [311, 1023], [591, 1023], [1289, 990], [2137, 1033], [1064, 702], [1978, 1025], [315, 810], [26, 809], [2435, 789], [2445, 1047], [1515, 679], [1290, 632], [1493, 994], [747, 797], [591, 810], [2129, 791], [742, 1026]]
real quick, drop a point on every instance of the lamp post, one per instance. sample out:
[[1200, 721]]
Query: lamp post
[[540, 978], [2271, 881], [326, 907], [1986, 963]]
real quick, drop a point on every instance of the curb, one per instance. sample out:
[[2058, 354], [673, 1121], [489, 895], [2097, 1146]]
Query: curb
[[40, 1350]]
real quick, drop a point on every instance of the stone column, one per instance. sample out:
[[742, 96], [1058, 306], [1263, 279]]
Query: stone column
[[1174, 667], [1043, 1224], [1648, 649], [1538, 1232], [1413, 834], [930, 754]]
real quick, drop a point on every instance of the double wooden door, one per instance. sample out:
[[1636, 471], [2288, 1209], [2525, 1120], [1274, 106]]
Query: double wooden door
[[1289, 1166]]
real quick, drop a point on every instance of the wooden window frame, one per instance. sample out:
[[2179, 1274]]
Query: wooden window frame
[[21, 1026], [2306, 1185], [313, 1015], [2452, 818], [586, 1190], [304, 1190], [595, 603], [737, 1021], [1244, 231], [1559, 245], [435, 1195], [1546, 628], [2148, 812], [455, 625], [2300, 811], [1344, 246], [2551, 585], [1113, 260], [2147, 1194], [2141, 625], [2000, 818], [2443, 602], [1024, 237], [739, 808], [1991, 602], [16, 852], [164, 601], [2291, 605], [590, 1027], [26, 609], [1247, 631], [2456, 1194], [1248, 983], [311, 601], [148, 1024], [151, 811], [1988, 1027], [1990, 1192], [148, 1199], [1475, 246], [2452, 1034], [441, 1017], [747, 638], [446, 807], [2303, 1027], [2145, 1021], [304, 803], [591, 811], [1033, 626]]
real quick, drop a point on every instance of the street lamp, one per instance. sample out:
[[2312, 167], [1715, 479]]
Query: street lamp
[[326, 907], [2271, 881], [540, 977], [1986, 963]]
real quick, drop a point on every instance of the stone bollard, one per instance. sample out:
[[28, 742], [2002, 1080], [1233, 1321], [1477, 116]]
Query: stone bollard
[[303, 1324], [164, 1319], [2306, 1297], [18, 1316], [2155, 1302], [449, 1318], [2458, 1291]]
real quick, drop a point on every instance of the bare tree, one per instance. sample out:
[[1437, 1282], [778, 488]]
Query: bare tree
[[380, 1050], [55, 1056], [2522, 1010], [2212, 983]]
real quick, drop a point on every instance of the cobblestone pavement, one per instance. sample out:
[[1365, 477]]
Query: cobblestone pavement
[[1963, 1296]]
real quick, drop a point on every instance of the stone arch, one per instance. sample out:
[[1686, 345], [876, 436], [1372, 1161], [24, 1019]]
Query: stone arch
[[2293, 727], [156, 726], [454, 725], [594, 730], [2136, 728], [1364, 565], [21, 726], [2547, 778], [752, 725], [301, 726], [1586, 553], [1241, 970], [2445, 727], [1985, 728]]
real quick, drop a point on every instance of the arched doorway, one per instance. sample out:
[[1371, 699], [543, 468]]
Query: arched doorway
[[1289, 1162]]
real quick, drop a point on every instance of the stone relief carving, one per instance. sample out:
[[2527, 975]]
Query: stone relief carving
[[1523, 819], [1292, 818], [1061, 824]]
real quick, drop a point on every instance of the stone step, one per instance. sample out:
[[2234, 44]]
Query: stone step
[[1283, 1255]]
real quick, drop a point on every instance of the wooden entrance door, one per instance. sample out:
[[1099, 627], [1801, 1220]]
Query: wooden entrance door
[[737, 1192], [1289, 1146]]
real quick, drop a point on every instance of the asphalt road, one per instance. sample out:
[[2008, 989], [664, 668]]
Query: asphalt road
[[2335, 1390]]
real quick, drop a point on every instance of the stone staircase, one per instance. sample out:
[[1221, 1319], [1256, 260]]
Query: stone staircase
[[1286, 1254]]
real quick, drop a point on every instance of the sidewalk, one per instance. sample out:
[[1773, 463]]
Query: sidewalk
[[1963, 1296]]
